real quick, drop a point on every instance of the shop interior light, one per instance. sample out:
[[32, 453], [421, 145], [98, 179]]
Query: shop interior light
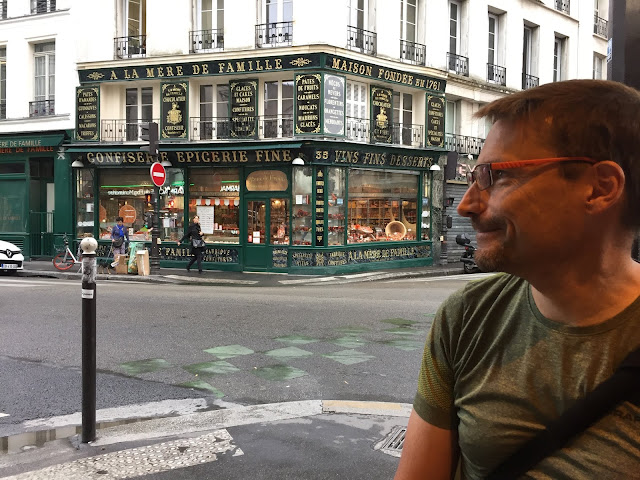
[[77, 164]]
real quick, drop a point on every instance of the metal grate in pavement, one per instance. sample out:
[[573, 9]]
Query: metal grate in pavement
[[392, 443]]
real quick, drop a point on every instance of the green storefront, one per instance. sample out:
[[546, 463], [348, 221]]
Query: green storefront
[[35, 191]]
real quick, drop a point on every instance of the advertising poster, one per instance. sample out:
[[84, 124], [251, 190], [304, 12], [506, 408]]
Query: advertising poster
[[333, 105], [381, 114], [174, 116], [244, 108]]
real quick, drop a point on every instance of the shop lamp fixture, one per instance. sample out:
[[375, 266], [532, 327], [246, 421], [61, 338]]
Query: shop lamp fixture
[[166, 163], [434, 168], [297, 161], [77, 164]]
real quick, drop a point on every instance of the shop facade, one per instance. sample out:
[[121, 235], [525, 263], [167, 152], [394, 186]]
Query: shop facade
[[273, 173]]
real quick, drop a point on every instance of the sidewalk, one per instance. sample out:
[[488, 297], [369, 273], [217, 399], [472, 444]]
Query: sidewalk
[[45, 268], [315, 439]]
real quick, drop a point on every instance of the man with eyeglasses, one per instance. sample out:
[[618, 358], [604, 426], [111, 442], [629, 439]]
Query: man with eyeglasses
[[554, 200]]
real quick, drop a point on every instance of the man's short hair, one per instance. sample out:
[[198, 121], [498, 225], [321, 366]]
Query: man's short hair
[[119, 219], [593, 118]]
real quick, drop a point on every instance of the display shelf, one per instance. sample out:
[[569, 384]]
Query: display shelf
[[336, 225]]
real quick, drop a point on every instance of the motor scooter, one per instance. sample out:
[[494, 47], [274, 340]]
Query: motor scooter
[[468, 262]]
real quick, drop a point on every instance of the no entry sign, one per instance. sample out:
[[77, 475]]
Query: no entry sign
[[158, 174]]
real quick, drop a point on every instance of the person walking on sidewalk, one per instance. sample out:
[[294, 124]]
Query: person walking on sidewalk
[[194, 233], [119, 239], [554, 201]]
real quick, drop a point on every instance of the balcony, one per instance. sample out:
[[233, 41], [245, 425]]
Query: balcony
[[274, 34], [600, 26], [407, 134], [413, 52], [131, 46], [3, 109], [529, 81], [206, 40], [210, 128], [458, 64], [463, 144], [122, 130], [358, 129], [496, 74], [275, 126], [361, 40], [3, 9], [42, 108], [42, 6], [562, 6]]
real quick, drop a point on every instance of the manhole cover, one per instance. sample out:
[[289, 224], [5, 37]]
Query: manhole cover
[[392, 443]]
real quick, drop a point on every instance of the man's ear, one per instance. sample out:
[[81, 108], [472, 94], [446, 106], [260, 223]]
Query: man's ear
[[608, 187]]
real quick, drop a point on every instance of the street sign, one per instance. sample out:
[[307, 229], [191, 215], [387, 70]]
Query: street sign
[[158, 174]]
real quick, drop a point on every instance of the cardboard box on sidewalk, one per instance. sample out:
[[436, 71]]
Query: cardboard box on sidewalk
[[142, 259], [122, 262]]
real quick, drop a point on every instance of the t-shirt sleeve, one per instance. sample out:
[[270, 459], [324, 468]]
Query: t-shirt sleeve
[[434, 399]]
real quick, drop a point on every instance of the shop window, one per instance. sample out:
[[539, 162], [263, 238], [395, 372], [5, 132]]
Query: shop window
[[171, 213], [84, 203], [336, 205], [382, 206], [302, 214], [128, 195], [426, 208], [12, 167], [279, 221], [13, 215], [215, 197]]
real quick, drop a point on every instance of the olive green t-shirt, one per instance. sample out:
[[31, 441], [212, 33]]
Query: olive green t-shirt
[[498, 371]]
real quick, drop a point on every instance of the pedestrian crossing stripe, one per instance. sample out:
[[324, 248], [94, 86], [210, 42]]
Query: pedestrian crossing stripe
[[4, 415]]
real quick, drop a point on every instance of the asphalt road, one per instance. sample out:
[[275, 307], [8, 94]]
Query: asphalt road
[[240, 345]]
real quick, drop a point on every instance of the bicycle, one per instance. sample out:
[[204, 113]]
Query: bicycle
[[66, 259]]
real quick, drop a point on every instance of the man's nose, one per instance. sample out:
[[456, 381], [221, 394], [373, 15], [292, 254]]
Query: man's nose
[[473, 202]]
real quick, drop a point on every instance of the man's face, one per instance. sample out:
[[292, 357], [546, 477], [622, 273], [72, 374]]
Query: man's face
[[526, 218], [120, 223]]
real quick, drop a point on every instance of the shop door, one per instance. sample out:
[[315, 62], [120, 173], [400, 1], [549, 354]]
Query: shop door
[[267, 226]]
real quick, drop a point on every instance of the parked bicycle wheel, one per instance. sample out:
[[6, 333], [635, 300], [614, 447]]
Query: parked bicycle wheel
[[63, 261]]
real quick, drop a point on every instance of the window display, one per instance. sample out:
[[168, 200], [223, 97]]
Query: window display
[[336, 205], [279, 221], [214, 195], [84, 203], [426, 208], [302, 215], [382, 206], [171, 213]]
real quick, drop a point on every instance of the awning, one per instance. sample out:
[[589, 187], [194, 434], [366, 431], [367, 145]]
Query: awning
[[31, 140], [180, 147]]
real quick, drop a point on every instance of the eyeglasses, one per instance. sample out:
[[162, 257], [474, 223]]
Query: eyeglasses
[[482, 174]]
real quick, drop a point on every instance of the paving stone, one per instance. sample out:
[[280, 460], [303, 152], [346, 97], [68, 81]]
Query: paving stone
[[138, 367], [229, 351], [349, 357]]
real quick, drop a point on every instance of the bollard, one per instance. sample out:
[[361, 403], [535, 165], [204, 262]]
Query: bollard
[[89, 246]]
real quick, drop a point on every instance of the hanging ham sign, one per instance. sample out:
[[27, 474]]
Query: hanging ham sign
[[158, 174]]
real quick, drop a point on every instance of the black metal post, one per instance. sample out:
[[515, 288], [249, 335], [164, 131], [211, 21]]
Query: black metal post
[[154, 261], [88, 246]]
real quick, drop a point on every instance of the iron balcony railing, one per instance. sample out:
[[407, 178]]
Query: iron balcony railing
[[210, 128], [362, 40], [131, 46], [496, 74], [600, 26], [407, 134], [274, 34], [563, 6], [3, 9], [122, 130], [529, 81], [358, 129], [3, 109], [42, 6], [206, 40], [458, 64], [220, 128], [463, 144], [413, 52], [42, 108], [275, 126]]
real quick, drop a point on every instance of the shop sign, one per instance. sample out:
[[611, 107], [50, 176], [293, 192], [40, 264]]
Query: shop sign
[[354, 256], [360, 157], [435, 121], [174, 114], [333, 105], [381, 114], [244, 108], [267, 181], [307, 116], [88, 113], [279, 258], [320, 208]]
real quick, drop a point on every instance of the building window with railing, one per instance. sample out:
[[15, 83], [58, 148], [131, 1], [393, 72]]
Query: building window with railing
[[558, 58], [44, 80], [276, 28], [213, 122], [410, 50], [455, 62], [404, 132], [277, 121], [133, 41], [598, 62], [41, 6], [3, 9], [495, 72], [528, 79], [3, 82], [357, 117], [139, 108], [563, 6], [209, 22], [359, 35]]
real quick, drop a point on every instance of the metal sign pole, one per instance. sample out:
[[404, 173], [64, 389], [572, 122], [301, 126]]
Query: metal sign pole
[[154, 261], [89, 246]]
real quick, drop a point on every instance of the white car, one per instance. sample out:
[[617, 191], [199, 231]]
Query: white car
[[11, 258]]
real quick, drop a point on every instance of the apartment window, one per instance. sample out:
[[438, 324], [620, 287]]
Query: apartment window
[[598, 62], [3, 82], [454, 27], [278, 109], [139, 108], [526, 51], [450, 117], [359, 14], [274, 11], [3, 9], [357, 118], [41, 6], [135, 18], [403, 118], [493, 40], [558, 58], [408, 20], [45, 73], [209, 32], [214, 112]]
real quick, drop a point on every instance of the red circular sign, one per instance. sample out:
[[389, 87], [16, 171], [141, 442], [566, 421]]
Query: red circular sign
[[158, 174]]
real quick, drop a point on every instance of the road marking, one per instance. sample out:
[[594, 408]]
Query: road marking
[[212, 280], [458, 278], [4, 415]]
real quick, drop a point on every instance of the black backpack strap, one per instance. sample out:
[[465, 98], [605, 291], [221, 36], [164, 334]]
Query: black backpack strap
[[586, 411]]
